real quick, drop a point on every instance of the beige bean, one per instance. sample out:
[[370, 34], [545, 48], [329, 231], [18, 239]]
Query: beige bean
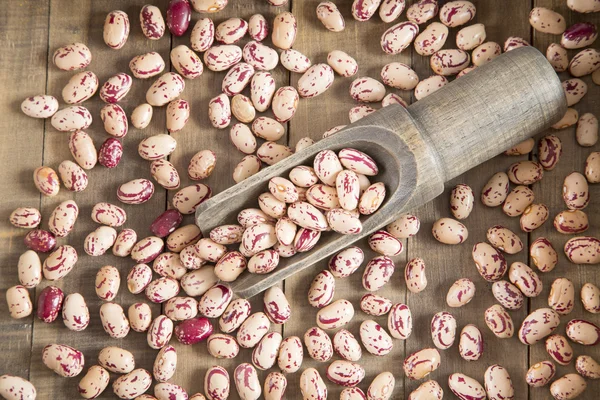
[[583, 250], [584, 63], [484, 53], [587, 130], [590, 298], [429, 390], [470, 346], [568, 387], [533, 217], [498, 384], [443, 330], [540, 374], [545, 20], [399, 37], [558, 57], [583, 332], [504, 239], [421, 363], [431, 39], [294, 61], [461, 201], [537, 325], [464, 387], [470, 37], [525, 279], [543, 254], [407, 225], [449, 231], [575, 89], [289, 358], [559, 349], [330, 16], [449, 62], [140, 316], [64, 360], [116, 360], [489, 261], [592, 167], [576, 194], [587, 367], [415, 276], [382, 386], [460, 293], [495, 190], [569, 119]]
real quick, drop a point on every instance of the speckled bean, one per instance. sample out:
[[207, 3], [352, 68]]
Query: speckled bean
[[568, 387], [72, 57], [449, 231], [499, 322], [40, 106], [64, 360], [559, 349], [421, 363], [99, 241], [94, 382], [537, 325], [140, 316], [540, 374]]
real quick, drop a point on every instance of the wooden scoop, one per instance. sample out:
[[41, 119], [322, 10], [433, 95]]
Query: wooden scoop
[[465, 123]]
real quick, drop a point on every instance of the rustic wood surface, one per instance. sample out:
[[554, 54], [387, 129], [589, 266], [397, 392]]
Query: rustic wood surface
[[30, 31]]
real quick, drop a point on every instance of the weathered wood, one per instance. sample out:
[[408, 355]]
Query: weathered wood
[[446, 264], [548, 192], [85, 25], [24, 32]]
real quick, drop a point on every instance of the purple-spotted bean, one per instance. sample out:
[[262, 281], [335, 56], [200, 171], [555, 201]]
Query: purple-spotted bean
[[449, 231], [147, 65], [559, 349], [253, 329], [312, 386], [568, 387], [421, 363], [290, 354], [64, 360], [94, 382], [346, 345], [29, 269], [587, 367], [72, 57], [499, 322], [375, 339], [583, 332], [537, 325], [124, 242], [504, 239], [470, 346], [140, 317], [40, 106], [460, 293], [116, 360], [540, 374]]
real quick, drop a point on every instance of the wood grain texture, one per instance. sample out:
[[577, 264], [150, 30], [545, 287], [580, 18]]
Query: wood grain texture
[[24, 33], [36, 29], [547, 192]]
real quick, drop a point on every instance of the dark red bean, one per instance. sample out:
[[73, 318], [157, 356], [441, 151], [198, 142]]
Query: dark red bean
[[166, 223], [179, 13], [193, 330], [110, 153], [49, 303], [40, 240]]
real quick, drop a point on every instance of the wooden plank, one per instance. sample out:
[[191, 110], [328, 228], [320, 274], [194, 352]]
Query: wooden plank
[[198, 135], [314, 116], [446, 264], [86, 25], [24, 29], [549, 192]]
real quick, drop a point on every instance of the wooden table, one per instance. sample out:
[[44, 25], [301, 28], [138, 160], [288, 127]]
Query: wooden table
[[32, 29]]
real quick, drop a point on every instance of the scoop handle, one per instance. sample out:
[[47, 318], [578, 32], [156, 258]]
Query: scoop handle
[[490, 109]]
